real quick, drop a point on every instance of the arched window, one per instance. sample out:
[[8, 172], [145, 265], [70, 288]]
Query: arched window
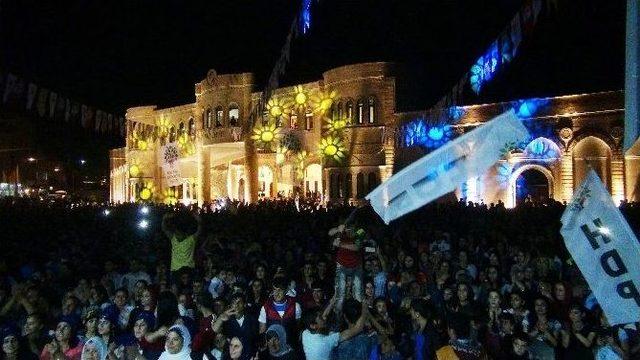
[[172, 134], [350, 110], [340, 110], [339, 186], [360, 186], [294, 121], [181, 129], [372, 181], [209, 124], [309, 121], [234, 114], [360, 112], [372, 110], [219, 116], [192, 127], [348, 185]]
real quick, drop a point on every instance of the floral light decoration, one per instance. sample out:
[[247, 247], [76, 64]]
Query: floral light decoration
[[323, 101], [135, 169], [504, 169], [333, 148], [146, 192], [170, 197], [140, 141], [265, 134], [162, 128], [335, 126], [281, 154], [300, 98], [187, 147], [277, 108]]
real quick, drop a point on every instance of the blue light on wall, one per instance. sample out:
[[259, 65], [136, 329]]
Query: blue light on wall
[[529, 108], [432, 137], [503, 174], [542, 148], [456, 112]]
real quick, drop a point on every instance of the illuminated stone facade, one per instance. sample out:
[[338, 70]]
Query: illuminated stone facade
[[570, 133]]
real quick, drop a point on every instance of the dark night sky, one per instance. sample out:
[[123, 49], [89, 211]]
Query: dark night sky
[[115, 54]]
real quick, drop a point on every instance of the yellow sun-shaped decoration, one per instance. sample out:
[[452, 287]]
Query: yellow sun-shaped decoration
[[323, 101], [333, 148], [135, 169], [162, 128], [265, 135], [278, 107], [281, 155], [186, 145], [147, 191], [334, 126], [142, 144], [300, 97], [170, 197]]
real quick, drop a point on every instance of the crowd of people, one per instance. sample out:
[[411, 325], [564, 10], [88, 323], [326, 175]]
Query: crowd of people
[[293, 279]]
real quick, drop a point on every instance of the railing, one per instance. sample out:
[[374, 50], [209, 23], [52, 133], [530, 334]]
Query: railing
[[222, 135]]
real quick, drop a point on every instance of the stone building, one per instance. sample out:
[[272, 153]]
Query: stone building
[[219, 158]]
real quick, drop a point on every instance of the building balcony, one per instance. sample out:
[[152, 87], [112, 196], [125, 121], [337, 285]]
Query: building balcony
[[221, 135]]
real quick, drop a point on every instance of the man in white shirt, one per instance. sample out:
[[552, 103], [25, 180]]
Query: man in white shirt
[[318, 342]]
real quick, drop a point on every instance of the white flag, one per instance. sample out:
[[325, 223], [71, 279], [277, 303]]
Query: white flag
[[442, 170], [605, 249]]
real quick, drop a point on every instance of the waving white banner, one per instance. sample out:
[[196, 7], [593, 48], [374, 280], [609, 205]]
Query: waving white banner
[[170, 164], [442, 170], [605, 249]]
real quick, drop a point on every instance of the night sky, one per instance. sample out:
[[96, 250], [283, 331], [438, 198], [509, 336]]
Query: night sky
[[117, 54]]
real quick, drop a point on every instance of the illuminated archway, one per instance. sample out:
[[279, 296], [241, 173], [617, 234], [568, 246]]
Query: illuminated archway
[[512, 190], [265, 180], [313, 179], [591, 152]]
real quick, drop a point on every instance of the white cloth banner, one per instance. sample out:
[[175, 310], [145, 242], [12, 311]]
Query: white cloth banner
[[605, 249], [442, 170], [170, 164]]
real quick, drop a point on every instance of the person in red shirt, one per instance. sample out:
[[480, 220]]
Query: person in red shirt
[[348, 262]]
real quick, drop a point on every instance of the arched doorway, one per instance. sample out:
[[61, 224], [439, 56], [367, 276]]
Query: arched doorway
[[591, 153], [265, 181], [313, 180], [532, 185], [533, 182]]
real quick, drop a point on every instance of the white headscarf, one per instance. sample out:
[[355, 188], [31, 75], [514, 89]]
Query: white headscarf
[[100, 346], [185, 352]]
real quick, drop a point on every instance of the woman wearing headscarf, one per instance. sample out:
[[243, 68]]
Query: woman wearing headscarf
[[94, 349], [177, 345], [277, 344], [237, 350]]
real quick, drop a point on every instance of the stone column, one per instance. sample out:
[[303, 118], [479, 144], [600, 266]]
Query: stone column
[[566, 177]]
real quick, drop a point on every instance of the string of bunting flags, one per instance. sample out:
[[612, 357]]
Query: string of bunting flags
[[500, 52], [20, 94]]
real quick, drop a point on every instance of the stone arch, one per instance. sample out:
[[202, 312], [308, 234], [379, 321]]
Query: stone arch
[[511, 189], [595, 153], [266, 180], [313, 179]]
